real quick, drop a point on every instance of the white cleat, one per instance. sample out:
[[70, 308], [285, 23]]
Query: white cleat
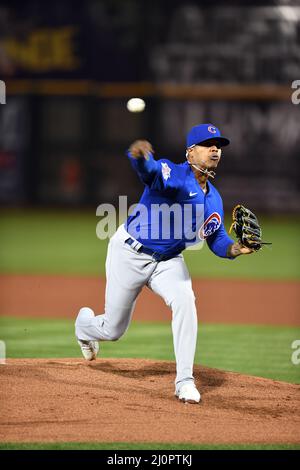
[[188, 393], [89, 348]]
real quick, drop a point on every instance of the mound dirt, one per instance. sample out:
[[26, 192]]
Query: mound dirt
[[127, 400]]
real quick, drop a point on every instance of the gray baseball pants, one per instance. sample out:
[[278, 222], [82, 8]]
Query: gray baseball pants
[[127, 271]]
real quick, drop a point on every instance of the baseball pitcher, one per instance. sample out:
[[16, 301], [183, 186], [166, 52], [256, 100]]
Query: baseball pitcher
[[147, 251]]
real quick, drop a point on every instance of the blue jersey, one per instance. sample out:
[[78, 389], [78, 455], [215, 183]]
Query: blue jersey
[[173, 194]]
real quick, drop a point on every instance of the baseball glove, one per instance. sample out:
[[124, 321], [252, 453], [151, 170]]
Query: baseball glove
[[247, 228]]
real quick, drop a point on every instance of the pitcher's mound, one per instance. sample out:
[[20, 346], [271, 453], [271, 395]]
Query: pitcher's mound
[[59, 400]]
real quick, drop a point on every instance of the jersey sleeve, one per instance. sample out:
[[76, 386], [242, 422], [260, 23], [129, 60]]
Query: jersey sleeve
[[219, 242], [146, 169], [159, 175]]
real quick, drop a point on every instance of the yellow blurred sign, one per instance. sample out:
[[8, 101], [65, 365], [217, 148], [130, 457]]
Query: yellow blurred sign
[[45, 49]]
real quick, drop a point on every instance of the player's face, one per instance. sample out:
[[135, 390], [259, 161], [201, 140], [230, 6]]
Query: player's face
[[207, 154]]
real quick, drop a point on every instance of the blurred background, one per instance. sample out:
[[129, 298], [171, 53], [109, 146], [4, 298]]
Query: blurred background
[[70, 68]]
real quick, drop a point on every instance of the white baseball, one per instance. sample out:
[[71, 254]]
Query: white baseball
[[136, 105]]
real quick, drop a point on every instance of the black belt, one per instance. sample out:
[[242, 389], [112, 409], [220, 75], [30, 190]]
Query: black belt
[[155, 255]]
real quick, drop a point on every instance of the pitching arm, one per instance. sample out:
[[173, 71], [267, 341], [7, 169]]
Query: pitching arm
[[140, 155]]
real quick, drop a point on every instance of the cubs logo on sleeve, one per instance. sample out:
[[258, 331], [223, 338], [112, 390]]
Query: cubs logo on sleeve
[[211, 224]]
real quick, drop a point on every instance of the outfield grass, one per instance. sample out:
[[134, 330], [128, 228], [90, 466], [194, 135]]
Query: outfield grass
[[65, 243], [143, 446], [255, 350]]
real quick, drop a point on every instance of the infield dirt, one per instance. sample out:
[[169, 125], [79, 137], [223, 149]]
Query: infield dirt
[[218, 300], [60, 400]]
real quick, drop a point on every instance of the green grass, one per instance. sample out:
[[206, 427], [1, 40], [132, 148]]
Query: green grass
[[256, 350], [50, 243], [65, 243], [278, 261], [143, 446]]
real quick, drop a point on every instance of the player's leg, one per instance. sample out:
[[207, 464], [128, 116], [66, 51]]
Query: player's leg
[[171, 280], [126, 273]]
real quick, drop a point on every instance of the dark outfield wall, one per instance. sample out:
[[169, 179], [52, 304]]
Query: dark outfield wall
[[62, 147]]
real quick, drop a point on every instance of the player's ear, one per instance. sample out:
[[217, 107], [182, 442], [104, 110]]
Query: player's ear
[[188, 152]]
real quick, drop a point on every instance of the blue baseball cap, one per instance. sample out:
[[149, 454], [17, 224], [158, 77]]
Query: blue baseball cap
[[203, 132]]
